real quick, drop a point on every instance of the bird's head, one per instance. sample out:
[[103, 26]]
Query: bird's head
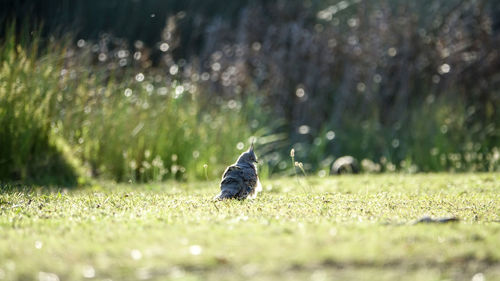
[[248, 156]]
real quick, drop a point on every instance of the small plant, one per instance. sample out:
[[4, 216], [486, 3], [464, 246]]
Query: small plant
[[300, 165]]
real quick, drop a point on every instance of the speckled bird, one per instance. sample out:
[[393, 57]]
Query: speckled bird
[[240, 180]]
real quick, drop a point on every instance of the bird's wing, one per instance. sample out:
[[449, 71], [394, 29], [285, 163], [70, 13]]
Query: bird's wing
[[232, 183], [229, 188], [250, 177], [233, 169]]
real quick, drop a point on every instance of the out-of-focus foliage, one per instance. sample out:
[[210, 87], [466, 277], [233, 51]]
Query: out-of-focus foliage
[[412, 84], [28, 101], [130, 19], [400, 85], [124, 124]]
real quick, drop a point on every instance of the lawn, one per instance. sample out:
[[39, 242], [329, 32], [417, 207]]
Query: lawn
[[345, 228]]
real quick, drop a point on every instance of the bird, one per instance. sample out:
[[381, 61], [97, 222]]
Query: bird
[[240, 180]]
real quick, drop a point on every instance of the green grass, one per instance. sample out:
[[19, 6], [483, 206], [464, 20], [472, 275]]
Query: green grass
[[63, 118], [66, 117], [349, 227]]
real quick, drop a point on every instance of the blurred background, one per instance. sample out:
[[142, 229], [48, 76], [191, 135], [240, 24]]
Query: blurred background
[[149, 90]]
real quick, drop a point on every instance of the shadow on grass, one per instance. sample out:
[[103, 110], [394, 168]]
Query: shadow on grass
[[49, 164]]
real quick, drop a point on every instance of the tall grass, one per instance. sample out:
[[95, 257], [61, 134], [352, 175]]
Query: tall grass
[[127, 125], [28, 103], [368, 80], [142, 131]]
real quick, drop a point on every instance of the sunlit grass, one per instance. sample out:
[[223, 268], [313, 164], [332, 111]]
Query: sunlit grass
[[349, 227], [63, 117], [29, 95]]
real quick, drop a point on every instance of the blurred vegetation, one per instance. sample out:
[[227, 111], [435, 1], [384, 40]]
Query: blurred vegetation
[[150, 90], [28, 101], [122, 124]]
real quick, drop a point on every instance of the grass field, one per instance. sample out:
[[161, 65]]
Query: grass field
[[345, 228]]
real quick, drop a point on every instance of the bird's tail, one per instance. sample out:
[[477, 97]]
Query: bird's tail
[[223, 195]]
